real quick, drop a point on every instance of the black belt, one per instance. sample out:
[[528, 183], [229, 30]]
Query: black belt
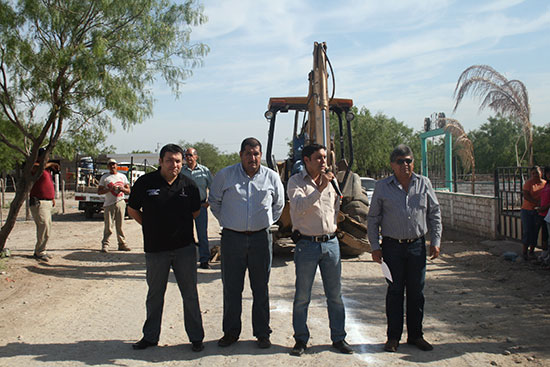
[[248, 233], [321, 238], [405, 241]]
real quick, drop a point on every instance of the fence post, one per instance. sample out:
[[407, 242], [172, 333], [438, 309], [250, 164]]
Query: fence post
[[63, 196]]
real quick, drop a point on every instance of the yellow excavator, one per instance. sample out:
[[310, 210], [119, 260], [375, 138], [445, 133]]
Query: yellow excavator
[[312, 125]]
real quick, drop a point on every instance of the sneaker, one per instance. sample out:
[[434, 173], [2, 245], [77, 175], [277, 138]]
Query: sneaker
[[204, 265], [43, 257], [123, 247], [104, 248]]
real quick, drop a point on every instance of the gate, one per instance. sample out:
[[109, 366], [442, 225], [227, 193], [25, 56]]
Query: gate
[[508, 190]]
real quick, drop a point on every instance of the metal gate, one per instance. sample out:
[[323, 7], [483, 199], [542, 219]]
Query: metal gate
[[508, 190]]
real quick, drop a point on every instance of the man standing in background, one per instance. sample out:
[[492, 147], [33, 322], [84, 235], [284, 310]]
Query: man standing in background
[[203, 179], [41, 201], [114, 185]]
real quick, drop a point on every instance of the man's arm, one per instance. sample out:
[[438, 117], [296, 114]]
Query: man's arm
[[278, 199], [136, 214], [298, 197], [374, 219], [433, 219], [215, 195], [196, 214]]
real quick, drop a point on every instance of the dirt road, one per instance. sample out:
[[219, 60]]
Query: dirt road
[[85, 308]]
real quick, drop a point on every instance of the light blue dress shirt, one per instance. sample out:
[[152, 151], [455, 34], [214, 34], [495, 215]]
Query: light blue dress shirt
[[242, 203], [201, 176], [404, 215]]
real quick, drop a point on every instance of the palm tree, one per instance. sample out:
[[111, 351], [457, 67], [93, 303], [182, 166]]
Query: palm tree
[[506, 97], [464, 146]]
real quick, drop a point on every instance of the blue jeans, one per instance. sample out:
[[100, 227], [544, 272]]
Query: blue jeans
[[239, 253], [407, 263], [201, 226], [307, 256], [183, 263]]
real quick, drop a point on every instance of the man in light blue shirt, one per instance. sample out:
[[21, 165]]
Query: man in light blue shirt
[[203, 179], [246, 198]]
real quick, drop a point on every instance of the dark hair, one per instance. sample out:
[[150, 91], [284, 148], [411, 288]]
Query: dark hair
[[250, 142], [534, 168], [401, 150], [172, 148], [312, 148]]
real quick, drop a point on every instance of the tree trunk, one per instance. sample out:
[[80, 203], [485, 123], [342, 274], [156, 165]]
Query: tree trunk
[[22, 190]]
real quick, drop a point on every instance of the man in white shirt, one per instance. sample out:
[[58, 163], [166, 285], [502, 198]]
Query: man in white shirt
[[114, 185]]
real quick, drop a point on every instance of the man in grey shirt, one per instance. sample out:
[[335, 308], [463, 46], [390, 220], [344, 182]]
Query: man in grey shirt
[[404, 209]]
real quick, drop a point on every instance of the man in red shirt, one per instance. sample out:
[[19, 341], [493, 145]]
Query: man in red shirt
[[42, 200]]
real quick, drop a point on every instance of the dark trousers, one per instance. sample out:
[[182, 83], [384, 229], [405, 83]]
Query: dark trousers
[[183, 263], [532, 223], [407, 263], [241, 252]]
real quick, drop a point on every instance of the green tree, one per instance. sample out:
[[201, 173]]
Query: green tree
[[494, 144], [210, 156], [374, 138], [67, 65], [541, 144]]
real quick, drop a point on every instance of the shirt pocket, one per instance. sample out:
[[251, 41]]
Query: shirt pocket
[[418, 201]]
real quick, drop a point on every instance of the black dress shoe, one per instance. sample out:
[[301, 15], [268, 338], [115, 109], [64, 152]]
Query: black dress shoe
[[421, 344], [204, 265], [391, 345], [142, 344], [227, 340], [343, 347], [197, 346], [298, 349], [264, 342]]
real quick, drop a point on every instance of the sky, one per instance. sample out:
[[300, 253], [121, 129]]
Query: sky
[[396, 57]]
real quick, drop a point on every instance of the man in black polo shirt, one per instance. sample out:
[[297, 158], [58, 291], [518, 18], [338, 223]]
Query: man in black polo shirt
[[165, 202]]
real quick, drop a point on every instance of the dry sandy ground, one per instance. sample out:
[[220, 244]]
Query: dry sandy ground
[[85, 308]]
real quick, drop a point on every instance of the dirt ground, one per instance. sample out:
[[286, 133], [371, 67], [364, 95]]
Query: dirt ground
[[85, 308]]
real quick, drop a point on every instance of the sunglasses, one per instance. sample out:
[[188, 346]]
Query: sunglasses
[[188, 155], [401, 161]]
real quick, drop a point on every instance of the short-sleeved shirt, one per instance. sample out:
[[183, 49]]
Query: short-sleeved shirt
[[535, 189], [110, 181], [167, 210], [43, 188], [201, 176]]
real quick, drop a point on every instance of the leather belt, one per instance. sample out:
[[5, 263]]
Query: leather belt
[[248, 233], [405, 241], [321, 238]]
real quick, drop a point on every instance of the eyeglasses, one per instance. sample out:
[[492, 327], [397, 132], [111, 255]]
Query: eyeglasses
[[188, 155], [401, 161]]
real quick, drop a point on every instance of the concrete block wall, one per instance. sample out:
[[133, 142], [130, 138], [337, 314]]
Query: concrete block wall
[[477, 214]]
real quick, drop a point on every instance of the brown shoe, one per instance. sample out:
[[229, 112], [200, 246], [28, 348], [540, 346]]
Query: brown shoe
[[421, 344], [227, 340], [391, 345], [123, 247]]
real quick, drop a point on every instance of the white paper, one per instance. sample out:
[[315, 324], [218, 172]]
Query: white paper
[[386, 271]]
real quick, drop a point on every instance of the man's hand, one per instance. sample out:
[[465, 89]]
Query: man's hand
[[434, 252], [205, 204], [325, 180], [377, 256]]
